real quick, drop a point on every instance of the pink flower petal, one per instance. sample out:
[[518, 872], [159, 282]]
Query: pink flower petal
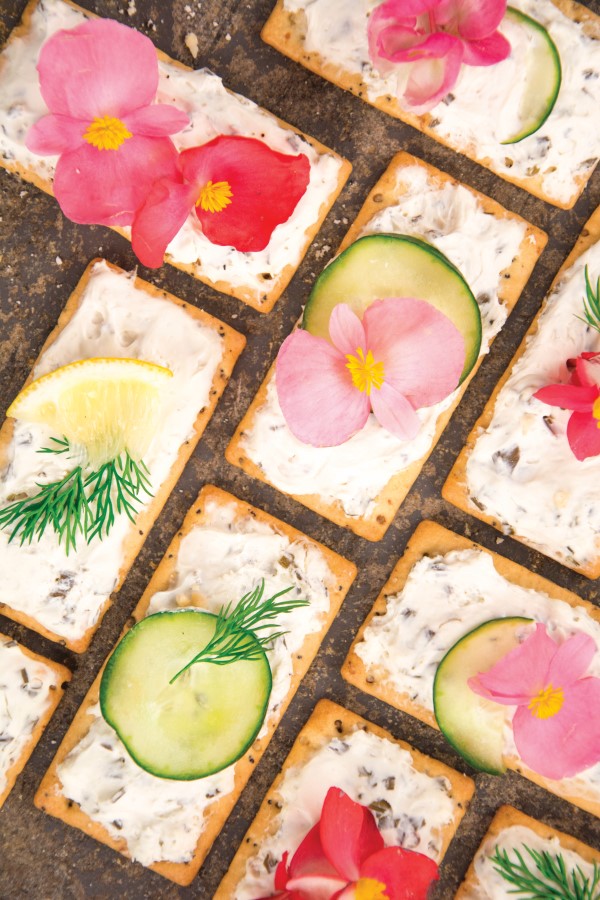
[[571, 660], [568, 396], [566, 743], [106, 187], [398, 43], [346, 330], [588, 368], [519, 675], [319, 402], [583, 435], [477, 19], [431, 79], [394, 412], [349, 834], [434, 46], [158, 120], [423, 353], [98, 68], [53, 135], [407, 875], [486, 51], [157, 222]]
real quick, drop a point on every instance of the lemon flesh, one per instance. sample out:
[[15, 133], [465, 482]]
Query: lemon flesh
[[102, 406]]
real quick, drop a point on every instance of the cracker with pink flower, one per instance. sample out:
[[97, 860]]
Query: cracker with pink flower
[[379, 388], [147, 146], [530, 465], [337, 758], [538, 674], [512, 87]]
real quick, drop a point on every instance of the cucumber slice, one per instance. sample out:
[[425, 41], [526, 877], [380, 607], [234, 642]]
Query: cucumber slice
[[473, 725], [378, 266], [541, 77], [202, 722]]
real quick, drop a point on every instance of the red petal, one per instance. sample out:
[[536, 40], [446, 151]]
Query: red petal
[[588, 368], [406, 875], [568, 396], [98, 68], [310, 859], [160, 218], [266, 187], [53, 135], [349, 834], [106, 187], [394, 412], [318, 400], [486, 51], [521, 673], [281, 873], [583, 435]]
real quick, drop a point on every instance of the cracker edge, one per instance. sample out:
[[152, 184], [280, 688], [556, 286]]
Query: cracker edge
[[281, 281], [431, 539], [327, 721], [233, 344], [508, 816], [286, 32], [54, 697], [456, 490], [49, 797], [390, 498]]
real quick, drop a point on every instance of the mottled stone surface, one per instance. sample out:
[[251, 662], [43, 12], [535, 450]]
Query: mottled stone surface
[[42, 256]]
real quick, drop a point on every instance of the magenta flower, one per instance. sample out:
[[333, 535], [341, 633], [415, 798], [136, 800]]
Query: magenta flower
[[344, 856], [556, 726], [582, 395], [99, 81], [404, 355], [437, 37]]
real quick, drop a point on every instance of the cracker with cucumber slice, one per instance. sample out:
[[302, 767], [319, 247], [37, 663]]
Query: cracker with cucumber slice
[[415, 266]]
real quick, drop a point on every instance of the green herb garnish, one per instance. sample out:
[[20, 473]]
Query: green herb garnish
[[549, 880], [238, 631], [591, 303], [82, 503]]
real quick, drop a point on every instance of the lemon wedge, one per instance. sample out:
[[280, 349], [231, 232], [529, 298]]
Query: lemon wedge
[[102, 406]]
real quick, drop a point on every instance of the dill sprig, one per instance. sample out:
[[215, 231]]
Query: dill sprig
[[79, 504], [591, 303], [551, 881], [238, 631]]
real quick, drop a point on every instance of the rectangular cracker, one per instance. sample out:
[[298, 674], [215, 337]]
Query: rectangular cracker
[[507, 817], [51, 581], [432, 540], [388, 191], [341, 573], [257, 279], [456, 489], [328, 722], [32, 667], [525, 163]]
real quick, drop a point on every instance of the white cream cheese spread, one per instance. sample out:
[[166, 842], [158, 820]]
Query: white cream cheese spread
[[218, 561], [115, 319], [492, 886], [522, 470], [482, 247], [443, 599], [213, 111], [411, 808], [482, 109], [26, 687]]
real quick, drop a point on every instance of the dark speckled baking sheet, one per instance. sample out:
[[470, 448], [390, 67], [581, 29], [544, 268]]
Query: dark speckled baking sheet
[[42, 256]]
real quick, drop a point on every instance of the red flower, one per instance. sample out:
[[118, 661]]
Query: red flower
[[239, 188], [343, 857], [99, 81], [582, 395]]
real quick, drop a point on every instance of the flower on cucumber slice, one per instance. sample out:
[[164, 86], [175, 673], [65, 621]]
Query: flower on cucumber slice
[[403, 355]]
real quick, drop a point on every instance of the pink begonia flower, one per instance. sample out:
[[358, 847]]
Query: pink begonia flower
[[99, 81], [343, 857], [403, 355], [556, 728], [437, 37], [582, 395], [239, 188]]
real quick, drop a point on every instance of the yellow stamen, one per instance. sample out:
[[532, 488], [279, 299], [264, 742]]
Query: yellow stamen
[[366, 373], [215, 196], [370, 889], [107, 133], [547, 702], [596, 411]]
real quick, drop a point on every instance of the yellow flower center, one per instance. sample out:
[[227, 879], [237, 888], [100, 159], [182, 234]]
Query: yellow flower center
[[215, 196], [547, 702], [106, 133], [366, 373], [370, 889], [596, 411]]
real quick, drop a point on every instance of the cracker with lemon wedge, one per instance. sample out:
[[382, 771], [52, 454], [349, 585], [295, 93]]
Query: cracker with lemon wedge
[[118, 399]]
